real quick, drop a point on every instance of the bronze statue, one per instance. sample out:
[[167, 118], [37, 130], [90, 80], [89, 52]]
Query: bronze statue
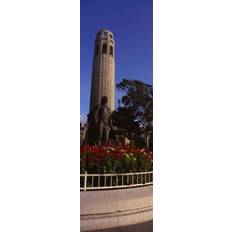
[[99, 124]]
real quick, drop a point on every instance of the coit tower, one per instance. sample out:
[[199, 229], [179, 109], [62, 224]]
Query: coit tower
[[103, 72]]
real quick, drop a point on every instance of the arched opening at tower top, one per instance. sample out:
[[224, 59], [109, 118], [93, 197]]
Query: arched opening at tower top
[[111, 50], [104, 48], [96, 49]]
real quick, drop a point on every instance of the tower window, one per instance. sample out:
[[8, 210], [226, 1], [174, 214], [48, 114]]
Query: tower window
[[96, 49], [104, 33], [111, 36], [111, 50], [104, 48]]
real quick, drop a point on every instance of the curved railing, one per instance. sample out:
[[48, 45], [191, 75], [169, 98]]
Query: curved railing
[[114, 181]]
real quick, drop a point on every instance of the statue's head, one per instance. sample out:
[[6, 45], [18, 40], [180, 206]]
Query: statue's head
[[104, 100]]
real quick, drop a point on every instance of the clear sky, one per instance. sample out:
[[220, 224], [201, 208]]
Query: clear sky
[[131, 23]]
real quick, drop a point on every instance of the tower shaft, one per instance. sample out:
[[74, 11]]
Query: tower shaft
[[103, 71]]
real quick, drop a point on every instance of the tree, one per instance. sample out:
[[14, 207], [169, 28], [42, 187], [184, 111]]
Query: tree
[[136, 105], [124, 118]]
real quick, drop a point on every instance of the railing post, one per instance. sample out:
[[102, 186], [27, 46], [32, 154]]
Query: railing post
[[85, 181], [136, 179]]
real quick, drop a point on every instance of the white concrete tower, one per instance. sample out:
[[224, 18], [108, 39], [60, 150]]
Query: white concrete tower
[[103, 72]]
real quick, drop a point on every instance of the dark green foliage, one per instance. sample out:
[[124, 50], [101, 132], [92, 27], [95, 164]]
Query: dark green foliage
[[135, 111]]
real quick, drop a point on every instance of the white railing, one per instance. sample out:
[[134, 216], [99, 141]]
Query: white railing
[[113, 181]]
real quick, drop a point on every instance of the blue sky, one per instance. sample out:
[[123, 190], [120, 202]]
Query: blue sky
[[131, 23]]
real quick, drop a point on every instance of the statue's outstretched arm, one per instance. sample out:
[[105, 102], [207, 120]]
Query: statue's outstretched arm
[[111, 123], [95, 114]]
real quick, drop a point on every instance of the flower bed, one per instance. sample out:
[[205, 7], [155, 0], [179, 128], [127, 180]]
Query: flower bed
[[110, 159]]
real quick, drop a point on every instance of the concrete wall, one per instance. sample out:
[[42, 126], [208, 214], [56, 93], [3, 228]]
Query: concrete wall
[[106, 209]]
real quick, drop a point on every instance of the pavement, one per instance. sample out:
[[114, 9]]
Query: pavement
[[142, 227], [121, 210]]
